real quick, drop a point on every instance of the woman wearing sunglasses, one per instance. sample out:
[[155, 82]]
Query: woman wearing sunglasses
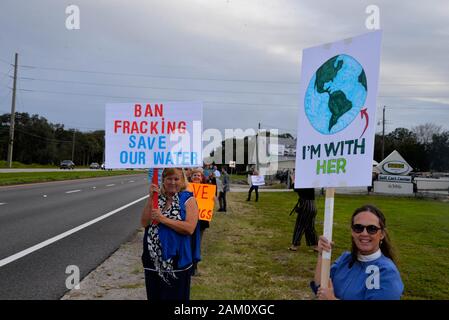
[[368, 272]]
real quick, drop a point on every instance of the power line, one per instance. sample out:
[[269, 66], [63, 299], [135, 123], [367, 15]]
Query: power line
[[209, 79], [431, 96], [158, 88], [201, 90], [419, 108], [4, 61], [159, 76], [43, 138], [155, 98]]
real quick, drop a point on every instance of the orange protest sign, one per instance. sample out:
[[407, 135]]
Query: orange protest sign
[[205, 197]]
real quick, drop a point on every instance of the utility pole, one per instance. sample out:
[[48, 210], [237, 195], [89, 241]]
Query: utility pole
[[13, 114], [383, 134], [73, 145], [257, 148]]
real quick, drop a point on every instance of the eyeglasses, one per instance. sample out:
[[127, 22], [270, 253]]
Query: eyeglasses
[[371, 229]]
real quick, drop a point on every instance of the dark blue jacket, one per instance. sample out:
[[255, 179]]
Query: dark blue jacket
[[185, 247]]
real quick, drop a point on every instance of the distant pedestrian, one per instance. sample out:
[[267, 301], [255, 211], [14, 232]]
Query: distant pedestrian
[[254, 172], [224, 189]]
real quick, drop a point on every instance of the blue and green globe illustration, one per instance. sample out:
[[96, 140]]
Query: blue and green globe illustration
[[336, 94]]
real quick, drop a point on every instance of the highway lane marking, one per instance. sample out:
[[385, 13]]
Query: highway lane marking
[[73, 191], [2, 203], [45, 243], [131, 181], [110, 185]]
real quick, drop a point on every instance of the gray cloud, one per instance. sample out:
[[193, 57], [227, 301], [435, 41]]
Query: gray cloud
[[207, 41]]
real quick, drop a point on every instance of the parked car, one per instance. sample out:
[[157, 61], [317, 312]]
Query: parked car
[[67, 164], [94, 165]]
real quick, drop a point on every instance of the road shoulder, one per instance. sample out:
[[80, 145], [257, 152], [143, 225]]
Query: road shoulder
[[120, 277]]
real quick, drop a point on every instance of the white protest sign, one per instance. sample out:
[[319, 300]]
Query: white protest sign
[[337, 113], [258, 180], [154, 135]]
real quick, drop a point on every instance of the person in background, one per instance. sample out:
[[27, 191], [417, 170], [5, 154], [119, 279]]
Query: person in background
[[253, 172], [225, 188], [369, 271], [206, 172], [305, 219], [171, 243], [198, 177]]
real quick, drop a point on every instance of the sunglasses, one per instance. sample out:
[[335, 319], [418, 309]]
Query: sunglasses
[[371, 229]]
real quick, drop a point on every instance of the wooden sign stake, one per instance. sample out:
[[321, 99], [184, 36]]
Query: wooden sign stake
[[155, 180], [328, 221]]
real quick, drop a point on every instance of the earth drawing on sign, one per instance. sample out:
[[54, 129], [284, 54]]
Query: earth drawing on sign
[[336, 94]]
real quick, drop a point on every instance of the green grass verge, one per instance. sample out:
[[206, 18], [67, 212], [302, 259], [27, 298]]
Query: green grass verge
[[20, 165], [12, 178], [245, 252], [238, 178]]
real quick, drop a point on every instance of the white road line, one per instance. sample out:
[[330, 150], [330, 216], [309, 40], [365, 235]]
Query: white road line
[[110, 185], [131, 181], [45, 243], [2, 203], [73, 191]]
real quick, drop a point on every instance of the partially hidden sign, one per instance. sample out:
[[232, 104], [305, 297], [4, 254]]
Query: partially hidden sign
[[258, 180], [205, 198], [153, 135], [394, 164], [337, 113]]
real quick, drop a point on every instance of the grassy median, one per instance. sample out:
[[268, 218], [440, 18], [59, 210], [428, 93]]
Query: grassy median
[[245, 252], [13, 178]]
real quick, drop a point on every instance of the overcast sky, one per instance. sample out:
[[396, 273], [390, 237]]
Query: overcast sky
[[242, 58]]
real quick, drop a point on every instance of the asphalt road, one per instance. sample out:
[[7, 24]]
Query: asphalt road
[[33, 214]]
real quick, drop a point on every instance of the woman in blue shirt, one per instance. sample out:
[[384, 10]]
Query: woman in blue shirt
[[171, 241], [368, 272]]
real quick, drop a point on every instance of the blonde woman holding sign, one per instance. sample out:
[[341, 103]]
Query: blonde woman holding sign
[[369, 271], [171, 243]]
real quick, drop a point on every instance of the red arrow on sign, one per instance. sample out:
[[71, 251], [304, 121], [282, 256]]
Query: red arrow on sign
[[364, 113]]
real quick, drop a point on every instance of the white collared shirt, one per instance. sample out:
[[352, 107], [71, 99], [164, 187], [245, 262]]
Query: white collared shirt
[[369, 257]]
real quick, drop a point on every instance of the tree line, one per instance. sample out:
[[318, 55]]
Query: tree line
[[424, 147], [36, 140]]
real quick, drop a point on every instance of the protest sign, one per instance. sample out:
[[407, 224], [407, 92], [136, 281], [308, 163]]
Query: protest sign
[[153, 135], [337, 113], [205, 198], [258, 180], [336, 120]]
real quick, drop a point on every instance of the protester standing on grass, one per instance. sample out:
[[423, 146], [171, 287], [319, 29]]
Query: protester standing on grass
[[369, 271], [254, 172], [305, 219], [171, 242], [225, 188], [198, 177]]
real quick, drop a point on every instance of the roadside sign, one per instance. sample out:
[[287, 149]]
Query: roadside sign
[[153, 135]]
